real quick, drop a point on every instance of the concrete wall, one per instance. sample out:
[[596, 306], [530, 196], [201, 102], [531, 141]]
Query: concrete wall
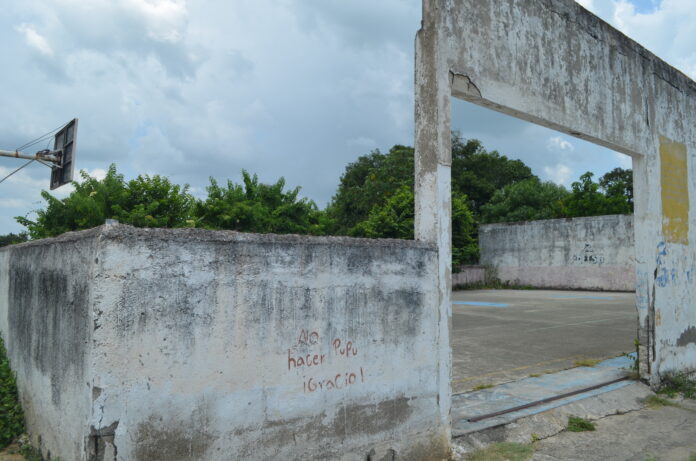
[[145, 345], [554, 63], [468, 275], [595, 253], [45, 320]]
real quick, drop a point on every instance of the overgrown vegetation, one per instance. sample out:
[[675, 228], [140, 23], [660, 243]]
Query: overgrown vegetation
[[655, 401], [11, 415], [577, 424], [678, 383], [504, 451], [34, 454], [587, 362]]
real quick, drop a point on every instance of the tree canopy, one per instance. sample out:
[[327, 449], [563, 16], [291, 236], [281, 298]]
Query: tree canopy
[[153, 201], [11, 239], [256, 207], [526, 200]]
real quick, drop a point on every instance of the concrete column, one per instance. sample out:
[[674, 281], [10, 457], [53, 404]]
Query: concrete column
[[433, 221]]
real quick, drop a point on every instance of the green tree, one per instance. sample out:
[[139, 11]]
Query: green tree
[[586, 199], [11, 239], [257, 207], [394, 219], [478, 173], [617, 185], [147, 201], [369, 181], [525, 200]]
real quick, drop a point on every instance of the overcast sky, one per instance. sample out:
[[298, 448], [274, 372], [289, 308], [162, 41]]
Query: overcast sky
[[294, 88]]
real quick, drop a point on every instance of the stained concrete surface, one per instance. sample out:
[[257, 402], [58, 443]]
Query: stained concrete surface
[[664, 434], [511, 334]]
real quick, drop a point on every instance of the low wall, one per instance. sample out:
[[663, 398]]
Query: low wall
[[468, 275], [593, 253], [149, 344]]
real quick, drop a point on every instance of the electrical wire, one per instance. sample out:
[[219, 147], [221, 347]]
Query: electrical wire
[[3, 179], [41, 138]]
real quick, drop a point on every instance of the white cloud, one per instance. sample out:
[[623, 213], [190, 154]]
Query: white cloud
[[98, 173], [559, 173], [34, 39], [557, 143]]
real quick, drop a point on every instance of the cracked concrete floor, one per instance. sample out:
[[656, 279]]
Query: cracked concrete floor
[[662, 434]]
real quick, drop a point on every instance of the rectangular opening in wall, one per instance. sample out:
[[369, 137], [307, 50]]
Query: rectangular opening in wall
[[543, 265]]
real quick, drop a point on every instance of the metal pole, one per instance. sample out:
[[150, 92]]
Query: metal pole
[[49, 156]]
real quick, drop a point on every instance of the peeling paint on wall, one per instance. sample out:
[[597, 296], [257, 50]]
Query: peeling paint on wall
[[675, 191]]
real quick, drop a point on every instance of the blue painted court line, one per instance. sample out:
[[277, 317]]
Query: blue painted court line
[[603, 298], [478, 303]]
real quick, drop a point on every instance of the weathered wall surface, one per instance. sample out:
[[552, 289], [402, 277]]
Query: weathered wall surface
[[553, 63], [468, 275], [45, 319], [595, 253], [210, 345]]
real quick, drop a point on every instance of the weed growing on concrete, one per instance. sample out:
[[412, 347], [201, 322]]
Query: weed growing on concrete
[[692, 457], [577, 424], [11, 415], [587, 362], [678, 383], [651, 458], [504, 451], [655, 401], [32, 454], [535, 437], [534, 375], [481, 387]]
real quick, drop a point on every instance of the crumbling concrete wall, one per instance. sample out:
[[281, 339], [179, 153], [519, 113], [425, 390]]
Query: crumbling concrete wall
[[593, 253], [202, 345], [553, 63]]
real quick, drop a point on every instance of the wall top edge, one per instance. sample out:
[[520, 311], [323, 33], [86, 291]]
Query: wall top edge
[[126, 232], [541, 222]]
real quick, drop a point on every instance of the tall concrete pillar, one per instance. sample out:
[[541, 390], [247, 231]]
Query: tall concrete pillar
[[433, 160]]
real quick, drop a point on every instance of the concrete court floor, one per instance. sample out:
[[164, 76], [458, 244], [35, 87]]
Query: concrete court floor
[[511, 334]]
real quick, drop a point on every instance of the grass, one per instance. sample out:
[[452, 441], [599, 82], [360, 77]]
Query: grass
[[576, 424], [534, 375], [678, 383], [11, 415], [505, 451], [481, 387], [655, 401], [587, 362]]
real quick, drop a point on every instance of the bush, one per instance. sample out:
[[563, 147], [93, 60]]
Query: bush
[[11, 415]]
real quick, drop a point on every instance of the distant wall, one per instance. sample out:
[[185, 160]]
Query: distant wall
[[149, 344], [587, 253], [468, 275]]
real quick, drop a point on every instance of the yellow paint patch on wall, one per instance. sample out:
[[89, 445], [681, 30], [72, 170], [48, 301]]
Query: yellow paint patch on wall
[[675, 191]]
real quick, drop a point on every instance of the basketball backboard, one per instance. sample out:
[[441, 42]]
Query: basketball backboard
[[65, 143]]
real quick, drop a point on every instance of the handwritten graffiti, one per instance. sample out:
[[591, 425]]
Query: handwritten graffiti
[[340, 381], [311, 353], [588, 256]]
